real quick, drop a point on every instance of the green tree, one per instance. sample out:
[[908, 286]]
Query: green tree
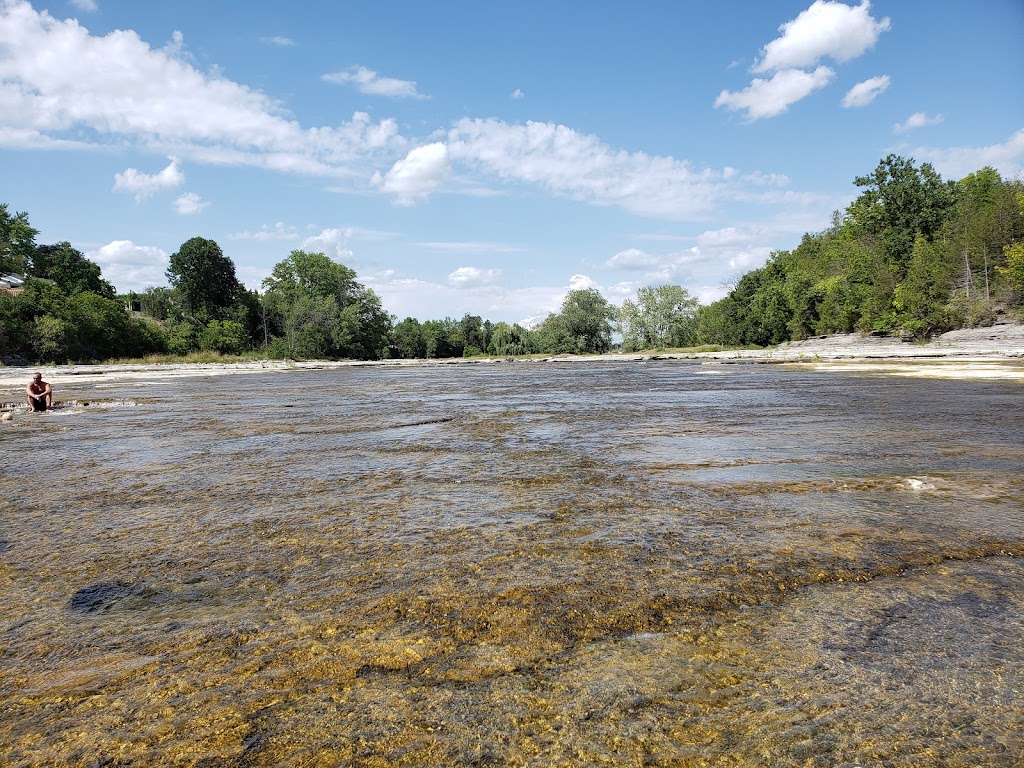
[[408, 341], [509, 340], [1013, 270], [899, 202], [922, 297], [553, 337], [17, 242], [225, 336], [662, 316], [587, 319], [985, 219], [69, 269], [473, 334], [439, 339], [204, 278], [321, 311]]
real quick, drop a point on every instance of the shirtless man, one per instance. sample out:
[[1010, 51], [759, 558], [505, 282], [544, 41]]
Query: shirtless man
[[39, 394]]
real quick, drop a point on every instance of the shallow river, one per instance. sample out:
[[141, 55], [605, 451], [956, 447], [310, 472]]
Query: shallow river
[[644, 564]]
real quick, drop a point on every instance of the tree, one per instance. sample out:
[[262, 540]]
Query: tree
[[587, 317], [509, 340], [899, 202], [322, 312], [204, 278], [1013, 270], [225, 336], [986, 218], [408, 341], [474, 336], [923, 295], [69, 269], [665, 316], [17, 242]]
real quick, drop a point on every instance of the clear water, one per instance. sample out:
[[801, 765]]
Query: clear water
[[658, 564]]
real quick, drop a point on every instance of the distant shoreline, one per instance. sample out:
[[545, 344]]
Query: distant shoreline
[[994, 352]]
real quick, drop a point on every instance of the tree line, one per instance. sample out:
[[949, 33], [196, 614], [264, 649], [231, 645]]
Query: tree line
[[912, 254]]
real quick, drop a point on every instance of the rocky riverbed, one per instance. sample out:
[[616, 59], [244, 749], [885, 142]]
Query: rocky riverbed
[[636, 563]]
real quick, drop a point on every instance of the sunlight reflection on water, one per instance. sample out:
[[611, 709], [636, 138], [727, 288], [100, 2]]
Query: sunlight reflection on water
[[517, 565]]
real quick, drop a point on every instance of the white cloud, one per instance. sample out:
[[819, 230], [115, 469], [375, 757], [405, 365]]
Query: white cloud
[[581, 283], [518, 93], [825, 29], [370, 82], [117, 90], [143, 185], [956, 162], [583, 168], [281, 42], [131, 267], [469, 246], [407, 297], [333, 243], [469, 277], [917, 120], [865, 92], [632, 259], [768, 98], [418, 174], [279, 231], [89, 6], [190, 203], [723, 238]]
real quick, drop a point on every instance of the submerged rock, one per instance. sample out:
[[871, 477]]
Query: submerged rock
[[102, 596]]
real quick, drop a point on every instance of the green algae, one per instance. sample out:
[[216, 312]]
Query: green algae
[[516, 585]]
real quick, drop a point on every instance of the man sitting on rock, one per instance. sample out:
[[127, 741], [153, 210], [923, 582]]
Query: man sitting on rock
[[40, 394]]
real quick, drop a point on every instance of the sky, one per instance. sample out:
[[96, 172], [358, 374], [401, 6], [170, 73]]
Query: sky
[[488, 157]]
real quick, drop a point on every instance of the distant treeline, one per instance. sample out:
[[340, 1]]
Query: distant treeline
[[912, 254]]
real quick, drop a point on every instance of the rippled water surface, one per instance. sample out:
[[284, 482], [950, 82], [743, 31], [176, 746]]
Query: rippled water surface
[[657, 564]]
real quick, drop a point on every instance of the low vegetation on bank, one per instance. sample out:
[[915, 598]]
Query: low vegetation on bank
[[912, 255]]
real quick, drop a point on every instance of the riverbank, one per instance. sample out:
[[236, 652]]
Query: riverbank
[[994, 352]]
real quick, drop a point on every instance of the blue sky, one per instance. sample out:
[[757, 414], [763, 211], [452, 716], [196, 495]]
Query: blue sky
[[466, 156]]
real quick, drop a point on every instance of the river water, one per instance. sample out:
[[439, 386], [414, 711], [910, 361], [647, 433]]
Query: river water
[[642, 564]]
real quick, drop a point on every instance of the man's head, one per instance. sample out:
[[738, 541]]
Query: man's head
[[37, 377]]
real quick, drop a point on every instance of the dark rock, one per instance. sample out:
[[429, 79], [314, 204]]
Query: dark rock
[[103, 595]]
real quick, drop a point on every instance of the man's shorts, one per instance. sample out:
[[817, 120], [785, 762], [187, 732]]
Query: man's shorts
[[39, 403]]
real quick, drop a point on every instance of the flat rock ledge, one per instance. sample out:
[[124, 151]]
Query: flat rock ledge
[[998, 343]]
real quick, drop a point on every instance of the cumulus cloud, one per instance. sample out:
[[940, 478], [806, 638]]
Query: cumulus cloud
[[190, 203], [89, 6], [332, 242], [518, 94], [59, 80], [917, 120], [372, 83], [416, 175], [768, 98], [131, 267], [581, 283], [956, 162], [581, 167], [143, 185], [865, 92], [280, 42], [826, 29], [468, 277], [63, 87]]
